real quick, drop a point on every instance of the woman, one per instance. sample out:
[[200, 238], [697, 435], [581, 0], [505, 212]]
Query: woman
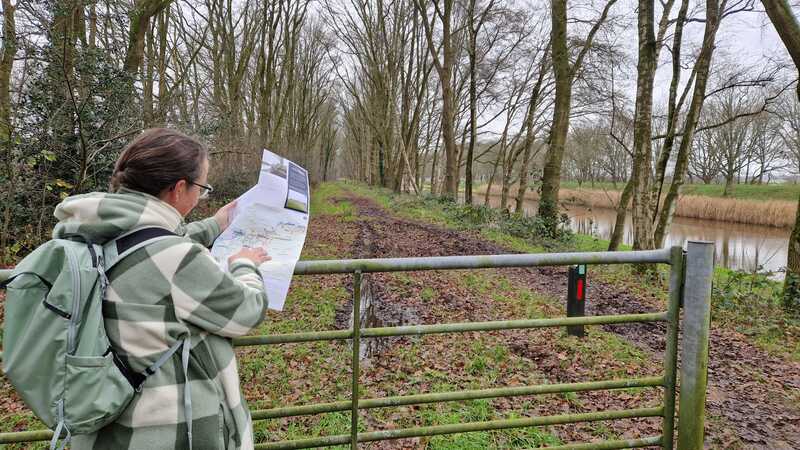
[[168, 291]]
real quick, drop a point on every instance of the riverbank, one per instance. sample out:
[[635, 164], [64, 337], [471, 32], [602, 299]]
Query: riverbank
[[773, 213]]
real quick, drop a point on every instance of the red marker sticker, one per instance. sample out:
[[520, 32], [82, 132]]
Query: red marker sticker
[[579, 293]]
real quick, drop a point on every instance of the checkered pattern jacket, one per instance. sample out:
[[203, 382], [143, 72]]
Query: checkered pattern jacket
[[159, 294]]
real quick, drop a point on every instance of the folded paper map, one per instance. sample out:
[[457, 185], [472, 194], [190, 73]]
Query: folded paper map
[[272, 215]]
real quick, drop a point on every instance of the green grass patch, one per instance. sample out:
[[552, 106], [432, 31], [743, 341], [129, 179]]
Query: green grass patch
[[497, 227], [752, 305], [782, 191], [324, 201], [479, 411]]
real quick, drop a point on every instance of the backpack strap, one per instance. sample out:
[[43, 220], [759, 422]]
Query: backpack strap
[[137, 379], [59, 428], [115, 250], [109, 255]]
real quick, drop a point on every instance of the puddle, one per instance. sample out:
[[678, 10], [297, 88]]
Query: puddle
[[375, 312]]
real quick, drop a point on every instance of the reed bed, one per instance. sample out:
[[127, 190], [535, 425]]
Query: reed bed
[[773, 213]]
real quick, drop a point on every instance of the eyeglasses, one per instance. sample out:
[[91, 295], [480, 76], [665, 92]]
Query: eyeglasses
[[206, 189]]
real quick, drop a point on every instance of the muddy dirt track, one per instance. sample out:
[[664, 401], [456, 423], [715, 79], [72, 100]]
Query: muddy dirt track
[[749, 397]]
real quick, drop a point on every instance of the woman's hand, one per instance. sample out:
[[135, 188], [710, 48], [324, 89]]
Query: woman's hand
[[225, 215], [257, 255]]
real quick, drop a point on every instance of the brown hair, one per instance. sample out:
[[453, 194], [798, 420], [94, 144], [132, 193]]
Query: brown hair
[[157, 159]]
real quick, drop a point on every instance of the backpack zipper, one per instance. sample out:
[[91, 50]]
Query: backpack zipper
[[76, 297]]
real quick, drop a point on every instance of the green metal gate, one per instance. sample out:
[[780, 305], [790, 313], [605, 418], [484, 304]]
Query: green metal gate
[[689, 288]]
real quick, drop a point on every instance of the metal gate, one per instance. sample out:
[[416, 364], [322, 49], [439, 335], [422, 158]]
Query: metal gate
[[689, 288]]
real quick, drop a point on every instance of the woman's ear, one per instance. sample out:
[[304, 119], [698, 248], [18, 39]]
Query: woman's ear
[[180, 187], [175, 193]]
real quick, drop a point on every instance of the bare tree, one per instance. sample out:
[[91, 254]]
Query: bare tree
[[565, 72], [444, 59], [704, 159], [788, 109], [767, 152]]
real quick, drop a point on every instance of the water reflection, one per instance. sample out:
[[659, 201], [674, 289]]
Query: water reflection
[[738, 246]]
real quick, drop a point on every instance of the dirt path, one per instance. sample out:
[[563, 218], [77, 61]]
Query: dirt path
[[751, 391]]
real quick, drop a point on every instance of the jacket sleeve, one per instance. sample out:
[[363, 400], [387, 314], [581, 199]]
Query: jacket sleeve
[[229, 304], [204, 232]]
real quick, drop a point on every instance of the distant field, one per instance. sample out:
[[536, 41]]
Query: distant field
[[783, 191]]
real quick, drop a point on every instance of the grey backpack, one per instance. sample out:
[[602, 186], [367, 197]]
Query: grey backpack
[[55, 349]]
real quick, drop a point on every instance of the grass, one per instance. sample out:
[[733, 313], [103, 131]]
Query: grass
[[324, 201], [783, 191], [488, 222]]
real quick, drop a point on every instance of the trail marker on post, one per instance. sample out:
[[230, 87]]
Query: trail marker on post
[[576, 297]]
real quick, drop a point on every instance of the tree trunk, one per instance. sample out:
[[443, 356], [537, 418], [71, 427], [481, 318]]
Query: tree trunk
[[444, 67], [728, 191], [6, 66], [618, 234], [6, 146], [92, 26], [491, 179], [529, 134], [433, 168], [473, 104], [163, 91], [143, 10], [147, 79], [673, 106], [642, 132], [551, 177], [564, 75], [505, 188], [522, 184]]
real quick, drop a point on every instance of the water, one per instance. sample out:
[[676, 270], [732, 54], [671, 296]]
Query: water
[[738, 246]]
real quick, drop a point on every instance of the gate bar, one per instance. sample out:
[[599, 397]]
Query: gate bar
[[463, 428], [438, 397], [468, 262], [462, 327], [480, 261]]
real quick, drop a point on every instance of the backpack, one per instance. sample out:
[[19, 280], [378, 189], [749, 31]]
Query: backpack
[[55, 349]]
